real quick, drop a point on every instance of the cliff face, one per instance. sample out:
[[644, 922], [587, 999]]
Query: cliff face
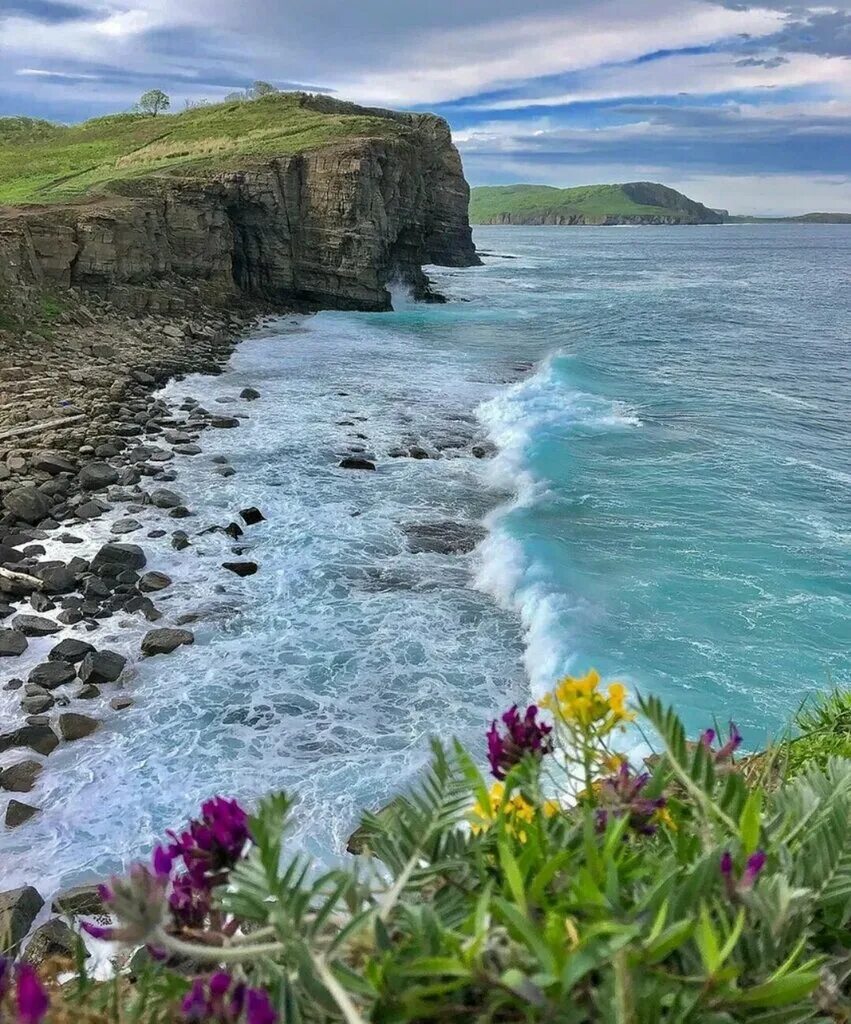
[[331, 227]]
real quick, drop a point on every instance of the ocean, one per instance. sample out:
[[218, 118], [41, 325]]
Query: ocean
[[668, 502]]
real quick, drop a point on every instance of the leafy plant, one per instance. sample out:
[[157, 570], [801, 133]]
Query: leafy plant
[[574, 888]]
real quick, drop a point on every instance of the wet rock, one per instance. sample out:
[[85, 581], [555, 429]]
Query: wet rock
[[125, 526], [417, 452], [17, 812], [187, 449], [21, 776], [484, 450], [27, 503], [164, 641], [37, 705], [179, 540], [97, 476], [219, 460], [121, 703], [249, 394], [80, 901], [234, 530], [91, 510], [18, 909], [35, 625], [51, 674], [162, 497], [12, 643], [41, 602], [224, 422], [251, 516], [57, 579], [241, 568], [125, 556], [52, 940], [51, 462], [153, 581], [87, 693], [13, 684], [101, 667], [444, 538], [73, 726], [70, 650], [225, 470], [353, 462], [180, 512], [40, 738]]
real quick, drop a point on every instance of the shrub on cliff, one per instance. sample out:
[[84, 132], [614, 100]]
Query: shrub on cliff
[[573, 887]]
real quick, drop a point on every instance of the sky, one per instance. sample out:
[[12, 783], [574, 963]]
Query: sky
[[745, 106]]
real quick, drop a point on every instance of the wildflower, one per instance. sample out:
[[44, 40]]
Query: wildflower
[[31, 996], [753, 867], [221, 1000], [619, 795], [212, 844], [188, 902], [522, 736], [725, 752], [579, 702], [516, 810]]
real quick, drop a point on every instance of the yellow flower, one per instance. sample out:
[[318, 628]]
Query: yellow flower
[[663, 816], [517, 810], [578, 701]]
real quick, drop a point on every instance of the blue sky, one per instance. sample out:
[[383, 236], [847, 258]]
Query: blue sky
[[741, 105]]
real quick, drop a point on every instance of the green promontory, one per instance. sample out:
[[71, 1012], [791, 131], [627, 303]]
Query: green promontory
[[636, 202]]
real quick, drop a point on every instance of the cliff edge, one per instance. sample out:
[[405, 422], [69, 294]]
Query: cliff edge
[[290, 199]]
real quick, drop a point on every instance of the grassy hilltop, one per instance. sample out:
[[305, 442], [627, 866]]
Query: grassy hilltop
[[630, 202], [45, 163]]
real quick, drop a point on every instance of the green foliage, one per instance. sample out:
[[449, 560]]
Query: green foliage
[[42, 163], [825, 727], [735, 905]]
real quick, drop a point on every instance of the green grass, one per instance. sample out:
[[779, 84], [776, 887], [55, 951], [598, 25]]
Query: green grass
[[488, 203], [44, 163]]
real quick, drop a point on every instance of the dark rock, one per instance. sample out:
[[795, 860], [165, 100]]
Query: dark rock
[[41, 602], [225, 470], [13, 684], [18, 909], [251, 516], [153, 581], [101, 667], [353, 462], [164, 498], [164, 641], [219, 460], [241, 568], [179, 540], [91, 509], [87, 693], [187, 449], [57, 579], [224, 421], [234, 530], [50, 462], [17, 812], [40, 738], [37, 705], [81, 901], [51, 674], [249, 394], [445, 538], [126, 556], [21, 776], [10, 555], [70, 650], [121, 703], [52, 940], [484, 450], [97, 476], [125, 526], [74, 727], [180, 512], [12, 643], [27, 503], [35, 625]]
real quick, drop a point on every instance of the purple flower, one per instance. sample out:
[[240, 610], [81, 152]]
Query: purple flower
[[220, 1000], [725, 752], [619, 795], [5, 973], [31, 996], [214, 842], [753, 866], [522, 736]]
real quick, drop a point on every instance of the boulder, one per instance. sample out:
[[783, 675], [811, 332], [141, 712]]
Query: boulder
[[164, 641], [27, 503], [251, 516], [241, 568], [249, 394], [52, 940], [353, 462], [37, 705], [153, 581], [21, 776], [70, 650], [121, 703], [101, 667], [35, 625], [73, 726], [125, 526], [40, 738], [80, 901], [17, 812], [50, 462], [57, 579], [51, 674], [12, 643], [18, 909], [162, 497], [97, 476], [125, 556]]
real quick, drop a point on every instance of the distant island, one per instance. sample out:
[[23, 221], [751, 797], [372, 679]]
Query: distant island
[[635, 202]]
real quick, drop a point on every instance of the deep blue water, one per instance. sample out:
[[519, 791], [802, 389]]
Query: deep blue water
[[669, 503]]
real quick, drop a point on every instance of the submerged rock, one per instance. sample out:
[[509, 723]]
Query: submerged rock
[[353, 462], [444, 538]]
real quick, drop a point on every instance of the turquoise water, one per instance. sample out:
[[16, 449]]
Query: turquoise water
[[694, 534], [669, 502]]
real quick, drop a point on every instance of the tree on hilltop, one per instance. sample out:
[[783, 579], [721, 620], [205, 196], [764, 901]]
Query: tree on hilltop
[[153, 102], [261, 88]]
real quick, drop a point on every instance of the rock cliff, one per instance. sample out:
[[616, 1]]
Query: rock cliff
[[332, 226]]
